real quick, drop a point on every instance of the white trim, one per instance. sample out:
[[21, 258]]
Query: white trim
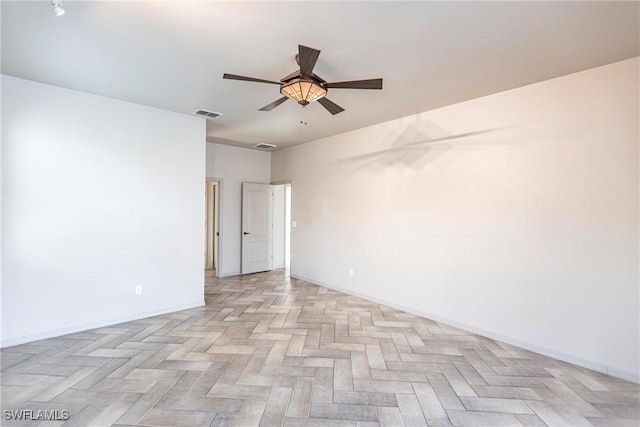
[[94, 325], [220, 181], [284, 182], [284, 219], [585, 363]]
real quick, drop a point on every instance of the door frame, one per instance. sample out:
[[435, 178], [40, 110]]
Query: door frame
[[218, 207], [290, 183]]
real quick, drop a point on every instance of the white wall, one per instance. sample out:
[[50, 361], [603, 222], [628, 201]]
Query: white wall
[[528, 233], [98, 196], [234, 165]]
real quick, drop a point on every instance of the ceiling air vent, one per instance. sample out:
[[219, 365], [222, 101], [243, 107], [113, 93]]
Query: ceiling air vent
[[265, 146], [207, 114]]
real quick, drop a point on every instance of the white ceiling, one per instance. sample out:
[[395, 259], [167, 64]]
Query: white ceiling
[[172, 55]]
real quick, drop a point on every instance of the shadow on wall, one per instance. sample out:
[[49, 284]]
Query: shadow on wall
[[422, 143]]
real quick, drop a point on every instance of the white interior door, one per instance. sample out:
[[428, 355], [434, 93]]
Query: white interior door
[[257, 239]]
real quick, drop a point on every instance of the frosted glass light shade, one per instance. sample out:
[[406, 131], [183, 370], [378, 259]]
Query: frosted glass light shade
[[303, 91]]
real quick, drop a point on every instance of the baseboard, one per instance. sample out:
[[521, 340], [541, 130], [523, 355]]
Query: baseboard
[[94, 325], [585, 363], [237, 273]]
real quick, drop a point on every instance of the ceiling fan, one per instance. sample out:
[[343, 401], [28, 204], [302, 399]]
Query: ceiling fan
[[304, 87]]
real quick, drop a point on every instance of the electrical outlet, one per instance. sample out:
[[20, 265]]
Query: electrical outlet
[[351, 272], [294, 224], [138, 289]]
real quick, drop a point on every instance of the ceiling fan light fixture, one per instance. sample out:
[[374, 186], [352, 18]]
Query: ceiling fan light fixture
[[303, 91], [304, 87]]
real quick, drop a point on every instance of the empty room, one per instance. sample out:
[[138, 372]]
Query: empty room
[[354, 213]]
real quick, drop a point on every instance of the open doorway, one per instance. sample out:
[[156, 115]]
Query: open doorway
[[212, 228], [287, 226], [282, 226]]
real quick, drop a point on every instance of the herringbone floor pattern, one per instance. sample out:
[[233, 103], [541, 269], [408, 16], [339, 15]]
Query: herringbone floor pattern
[[270, 351]]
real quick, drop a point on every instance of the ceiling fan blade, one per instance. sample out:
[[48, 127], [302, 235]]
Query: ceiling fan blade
[[307, 58], [331, 107], [248, 79], [274, 104], [356, 84]]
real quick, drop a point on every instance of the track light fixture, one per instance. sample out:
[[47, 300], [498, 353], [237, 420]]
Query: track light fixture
[[57, 8]]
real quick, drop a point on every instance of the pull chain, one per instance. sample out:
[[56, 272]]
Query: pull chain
[[303, 116]]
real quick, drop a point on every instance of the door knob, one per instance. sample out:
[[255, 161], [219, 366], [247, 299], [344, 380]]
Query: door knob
[[245, 233]]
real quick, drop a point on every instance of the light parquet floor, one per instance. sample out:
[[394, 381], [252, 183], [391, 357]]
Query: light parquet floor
[[271, 351]]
